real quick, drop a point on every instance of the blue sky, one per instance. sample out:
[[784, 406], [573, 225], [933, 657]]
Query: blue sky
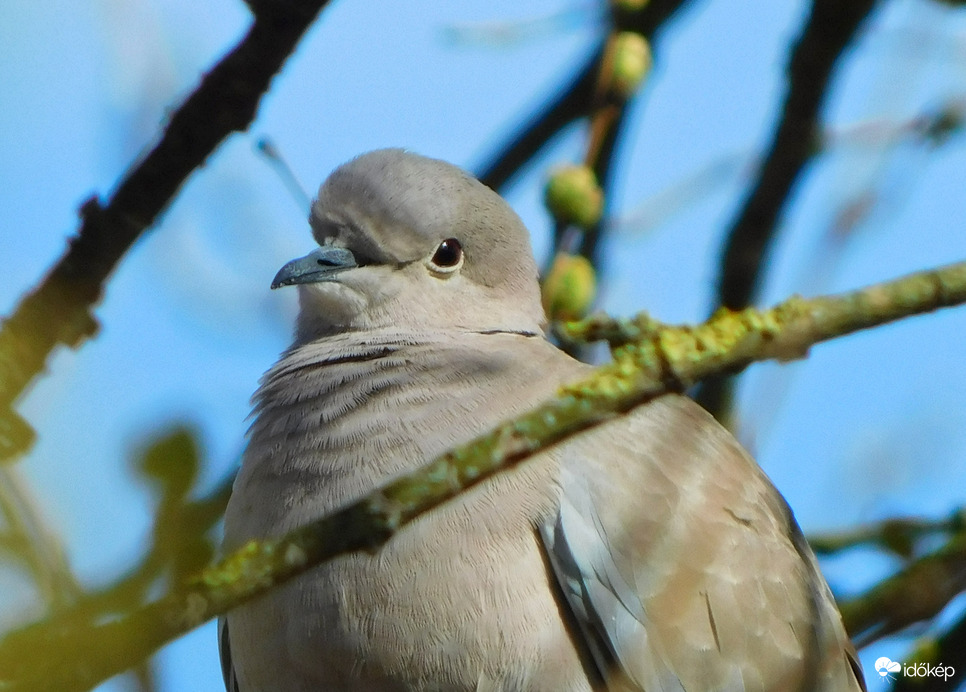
[[870, 426]]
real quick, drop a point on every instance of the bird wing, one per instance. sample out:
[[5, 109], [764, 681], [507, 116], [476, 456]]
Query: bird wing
[[683, 566]]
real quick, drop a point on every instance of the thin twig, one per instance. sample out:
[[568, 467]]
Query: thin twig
[[603, 166], [266, 147], [36, 543]]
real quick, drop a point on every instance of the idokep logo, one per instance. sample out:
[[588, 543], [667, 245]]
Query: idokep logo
[[889, 669]]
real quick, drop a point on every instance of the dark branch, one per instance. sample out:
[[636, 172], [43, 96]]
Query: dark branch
[[831, 26], [575, 101], [59, 310], [917, 593], [949, 650]]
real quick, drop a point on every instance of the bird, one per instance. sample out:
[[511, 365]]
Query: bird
[[649, 553]]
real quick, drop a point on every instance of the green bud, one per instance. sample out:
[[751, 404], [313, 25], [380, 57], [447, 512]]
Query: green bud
[[631, 62], [569, 288], [630, 5], [574, 197]]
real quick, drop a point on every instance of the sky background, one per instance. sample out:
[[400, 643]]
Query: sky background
[[868, 427]]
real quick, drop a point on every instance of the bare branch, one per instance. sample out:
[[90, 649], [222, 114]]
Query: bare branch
[[575, 101], [917, 593], [553, 116], [898, 535], [831, 26], [58, 311]]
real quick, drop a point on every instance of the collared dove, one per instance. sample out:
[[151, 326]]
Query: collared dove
[[650, 553]]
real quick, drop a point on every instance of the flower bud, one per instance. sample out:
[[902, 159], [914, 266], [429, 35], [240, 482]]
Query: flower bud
[[574, 197], [630, 64], [630, 5], [569, 288]]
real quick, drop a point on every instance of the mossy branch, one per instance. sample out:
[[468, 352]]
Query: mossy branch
[[77, 655]]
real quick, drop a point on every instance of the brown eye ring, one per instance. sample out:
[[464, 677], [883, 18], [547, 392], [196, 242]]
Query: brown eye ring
[[448, 255]]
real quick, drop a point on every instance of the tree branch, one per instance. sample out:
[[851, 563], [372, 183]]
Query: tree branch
[[32, 541], [58, 311], [831, 26], [948, 650], [572, 103], [575, 101], [77, 655], [917, 593], [898, 535]]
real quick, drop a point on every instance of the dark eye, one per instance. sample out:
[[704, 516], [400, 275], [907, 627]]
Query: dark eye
[[448, 254]]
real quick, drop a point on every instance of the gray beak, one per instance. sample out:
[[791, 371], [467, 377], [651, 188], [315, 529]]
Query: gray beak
[[322, 264]]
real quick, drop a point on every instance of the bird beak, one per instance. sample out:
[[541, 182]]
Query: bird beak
[[322, 264]]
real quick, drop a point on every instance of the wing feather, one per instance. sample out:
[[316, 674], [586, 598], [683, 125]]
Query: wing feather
[[684, 567]]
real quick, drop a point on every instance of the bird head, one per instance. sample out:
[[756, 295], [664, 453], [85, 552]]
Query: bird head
[[407, 241]]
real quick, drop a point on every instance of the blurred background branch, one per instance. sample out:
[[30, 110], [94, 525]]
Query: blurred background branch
[[900, 535], [575, 100], [58, 310], [829, 31], [919, 592]]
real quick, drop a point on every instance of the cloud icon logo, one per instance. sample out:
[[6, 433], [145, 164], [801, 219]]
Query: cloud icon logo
[[884, 666]]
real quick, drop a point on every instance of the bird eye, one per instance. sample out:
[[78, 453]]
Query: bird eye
[[448, 255]]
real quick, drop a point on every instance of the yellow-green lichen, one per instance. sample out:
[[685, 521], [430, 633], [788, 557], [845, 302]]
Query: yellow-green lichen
[[249, 562]]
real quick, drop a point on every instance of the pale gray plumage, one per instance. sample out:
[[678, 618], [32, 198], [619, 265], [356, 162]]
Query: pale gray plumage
[[650, 553]]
